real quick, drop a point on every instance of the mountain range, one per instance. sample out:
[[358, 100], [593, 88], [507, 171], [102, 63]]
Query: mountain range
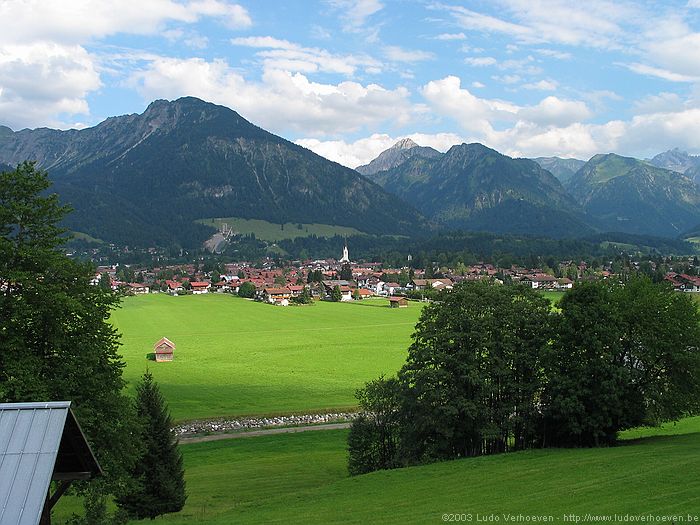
[[477, 188], [148, 179], [145, 179]]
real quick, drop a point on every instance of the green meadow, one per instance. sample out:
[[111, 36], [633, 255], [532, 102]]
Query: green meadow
[[238, 357], [302, 478], [270, 231]]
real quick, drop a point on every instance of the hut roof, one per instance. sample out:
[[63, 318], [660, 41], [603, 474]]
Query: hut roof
[[164, 341], [39, 443]]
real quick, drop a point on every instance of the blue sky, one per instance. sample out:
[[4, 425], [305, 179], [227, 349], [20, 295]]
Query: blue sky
[[348, 78]]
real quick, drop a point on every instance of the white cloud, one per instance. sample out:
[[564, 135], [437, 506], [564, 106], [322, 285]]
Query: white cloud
[[553, 111], [542, 85], [474, 114], [661, 103], [554, 53], [507, 79], [480, 61], [398, 54], [596, 23], [355, 13], [76, 21], [282, 102], [288, 56], [664, 74], [678, 54], [478, 85], [42, 81], [451, 36], [362, 151]]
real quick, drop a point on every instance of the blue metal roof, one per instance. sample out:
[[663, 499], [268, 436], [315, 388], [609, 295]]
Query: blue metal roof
[[30, 439]]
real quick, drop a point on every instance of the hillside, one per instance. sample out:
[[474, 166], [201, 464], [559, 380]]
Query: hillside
[[633, 196], [562, 169], [302, 478], [145, 179], [395, 156], [474, 187]]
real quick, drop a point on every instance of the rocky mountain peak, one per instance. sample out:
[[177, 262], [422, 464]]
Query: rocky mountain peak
[[404, 144]]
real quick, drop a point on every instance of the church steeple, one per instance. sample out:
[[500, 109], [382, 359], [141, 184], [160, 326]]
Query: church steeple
[[346, 257]]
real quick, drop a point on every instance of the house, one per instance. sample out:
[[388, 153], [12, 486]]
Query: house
[[364, 293], [164, 350], [435, 284], [564, 283], [441, 284], [174, 287], [200, 287], [345, 293], [137, 288], [280, 296], [391, 288], [296, 289], [222, 286], [539, 281], [398, 302]]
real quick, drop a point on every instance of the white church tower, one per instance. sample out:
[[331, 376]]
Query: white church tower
[[346, 257]]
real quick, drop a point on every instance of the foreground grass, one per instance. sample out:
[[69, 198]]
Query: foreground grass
[[302, 478], [270, 231], [238, 357]]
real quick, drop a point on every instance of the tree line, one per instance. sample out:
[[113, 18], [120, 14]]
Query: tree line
[[496, 369]]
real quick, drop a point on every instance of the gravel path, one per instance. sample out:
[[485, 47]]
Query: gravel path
[[255, 433]]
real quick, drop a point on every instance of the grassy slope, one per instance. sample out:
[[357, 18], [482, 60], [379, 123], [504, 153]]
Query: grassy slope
[[301, 478], [270, 231], [238, 357]]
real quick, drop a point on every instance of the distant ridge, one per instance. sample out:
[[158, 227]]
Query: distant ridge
[[633, 196], [676, 160], [395, 156], [562, 169]]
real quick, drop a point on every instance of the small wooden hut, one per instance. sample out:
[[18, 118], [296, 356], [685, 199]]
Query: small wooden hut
[[398, 302], [164, 350]]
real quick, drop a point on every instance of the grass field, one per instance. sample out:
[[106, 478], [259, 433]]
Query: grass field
[[270, 231], [238, 357], [302, 478]]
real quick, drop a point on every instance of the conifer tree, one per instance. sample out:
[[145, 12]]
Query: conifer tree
[[159, 486]]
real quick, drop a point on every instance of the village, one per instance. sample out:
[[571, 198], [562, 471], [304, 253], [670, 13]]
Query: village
[[344, 280]]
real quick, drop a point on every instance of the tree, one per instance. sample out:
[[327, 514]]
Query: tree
[[346, 272], [159, 475], [304, 297], [624, 356], [105, 281], [247, 290], [373, 441], [336, 294], [55, 339], [473, 376]]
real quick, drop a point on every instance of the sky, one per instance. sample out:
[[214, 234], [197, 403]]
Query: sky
[[349, 78]]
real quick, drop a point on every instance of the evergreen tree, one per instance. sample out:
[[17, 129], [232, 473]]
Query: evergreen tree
[[336, 294], [346, 272], [159, 475]]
